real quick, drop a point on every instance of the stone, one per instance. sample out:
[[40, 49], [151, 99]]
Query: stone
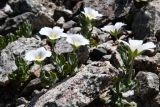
[[146, 63], [14, 49], [79, 90], [62, 12], [22, 6], [31, 86], [149, 85], [3, 16], [62, 46], [48, 67], [11, 24], [74, 30], [60, 21], [69, 24], [7, 9], [110, 8], [42, 19], [97, 52], [146, 21], [38, 21], [21, 101]]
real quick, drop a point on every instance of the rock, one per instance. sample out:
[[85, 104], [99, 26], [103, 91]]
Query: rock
[[62, 46], [146, 21], [38, 21], [149, 85], [74, 30], [48, 7], [3, 16], [110, 8], [11, 24], [97, 52], [60, 21], [156, 101], [69, 24], [21, 102], [82, 54], [14, 49], [22, 6], [146, 63], [48, 67], [42, 19], [80, 89], [7, 9], [116, 59], [31, 86], [62, 12]]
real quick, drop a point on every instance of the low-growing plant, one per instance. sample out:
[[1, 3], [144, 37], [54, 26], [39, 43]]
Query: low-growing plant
[[20, 76], [24, 30], [87, 22], [125, 82], [114, 30]]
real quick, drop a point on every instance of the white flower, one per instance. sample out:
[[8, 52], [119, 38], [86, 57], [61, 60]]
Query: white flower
[[52, 34], [128, 93], [77, 40], [91, 13], [37, 55], [137, 45], [113, 29]]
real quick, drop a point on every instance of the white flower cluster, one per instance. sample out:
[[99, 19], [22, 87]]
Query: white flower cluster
[[77, 40]]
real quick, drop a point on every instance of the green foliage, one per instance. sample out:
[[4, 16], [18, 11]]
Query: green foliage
[[20, 76], [86, 29], [125, 80], [65, 66], [48, 77], [24, 30]]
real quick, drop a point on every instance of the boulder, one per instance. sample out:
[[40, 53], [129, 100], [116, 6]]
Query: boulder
[[146, 21], [81, 89], [148, 89]]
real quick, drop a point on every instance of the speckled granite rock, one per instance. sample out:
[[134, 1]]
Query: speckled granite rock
[[80, 89]]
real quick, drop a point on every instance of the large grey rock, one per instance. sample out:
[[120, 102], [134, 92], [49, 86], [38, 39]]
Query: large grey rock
[[79, 90], [149, 85], [146, 21], [110, 8], [148, 89], [17, 48]]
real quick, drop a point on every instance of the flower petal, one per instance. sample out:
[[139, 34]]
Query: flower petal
[[57, 29], [29, 56], [135, 44], [109, 28], [45, 31], [118, 25], [77, 40], [124, 42], [91, 13], [146, 46]]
